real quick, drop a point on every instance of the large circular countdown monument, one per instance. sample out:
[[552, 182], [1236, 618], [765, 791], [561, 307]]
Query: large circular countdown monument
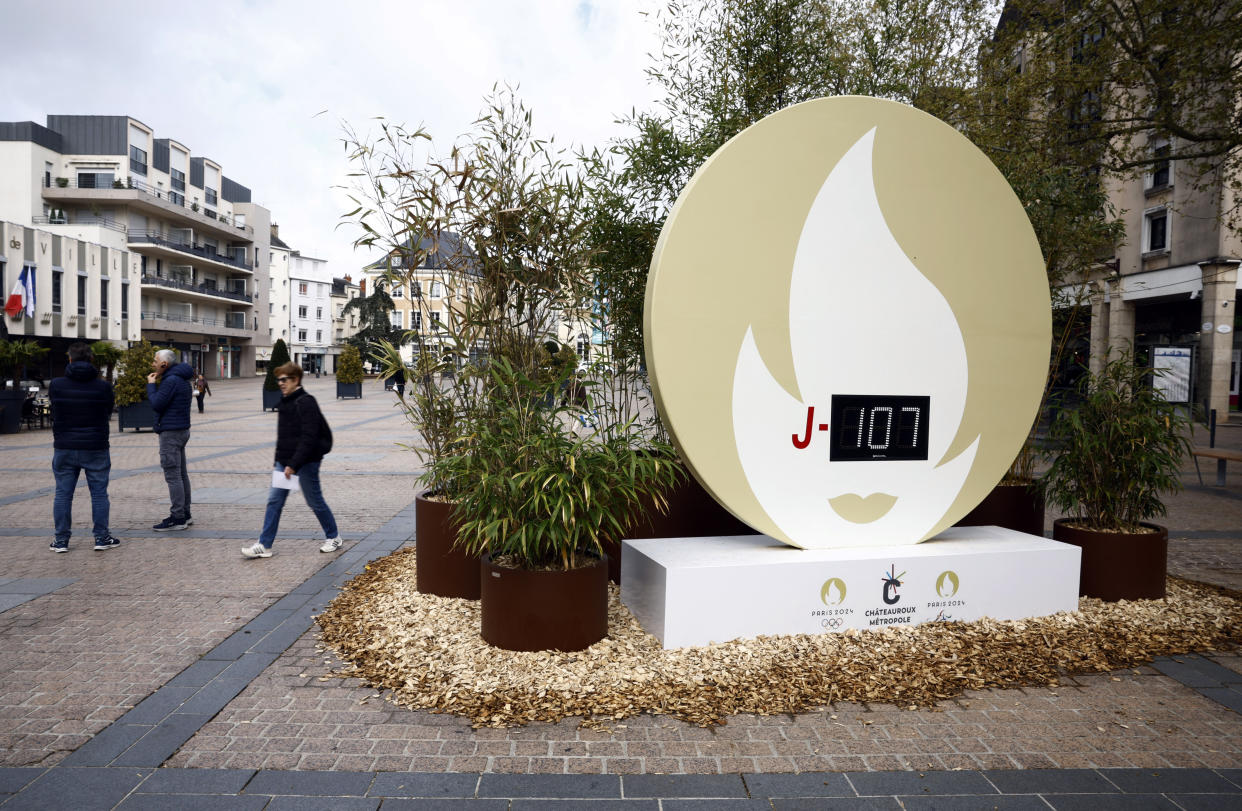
[[848, 324]]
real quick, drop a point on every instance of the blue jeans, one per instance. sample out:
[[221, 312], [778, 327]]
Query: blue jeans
[[308, 478], [65, 466]]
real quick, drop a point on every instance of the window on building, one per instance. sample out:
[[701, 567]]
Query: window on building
[[103, 298], [1156, 230], [82, 295], [318, 336], [395, 317], [416, 321], [319, 313], [271, 307], [435, 319], [584, 348], [398, 290], [437, 290], [47, 175], [302, 288], [1162, 170], [95, 180], [340, 310], [56, 282], [416, 289], [301, 312], [138, 161], [125, 300], [178, 179], [302, 335], [209, 195]]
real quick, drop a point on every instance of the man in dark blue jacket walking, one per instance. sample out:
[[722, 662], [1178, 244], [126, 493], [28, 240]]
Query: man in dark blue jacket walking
[[81, 409], [168, 389]]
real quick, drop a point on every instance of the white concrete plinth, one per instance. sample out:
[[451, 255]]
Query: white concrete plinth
[[694, 591]]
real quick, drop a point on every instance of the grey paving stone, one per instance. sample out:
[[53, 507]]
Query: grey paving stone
[[280, 638], [196, 781], [12, 780], [416, 784], [1210, 668], [155, 707], [37, 585], [1227, 696], [214, 696], [78, 789], [248, 665], [1110, 802], [324, 804], [234, 646], [714, 805], [1208, 802], [158, 745], [104, 747], [267, 620], [290, 602], [191, 802], [1050, 781], [1232, 775], [445, 805], [1164, 781], [311, 784], [8, 601], [872, 784], [585, 786], [197, 674], [682, 785], [986, 802], [836, 804], [590, 805], [807, 784], [1184, 673]]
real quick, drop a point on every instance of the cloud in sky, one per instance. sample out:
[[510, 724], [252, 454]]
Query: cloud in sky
[[245, 83]]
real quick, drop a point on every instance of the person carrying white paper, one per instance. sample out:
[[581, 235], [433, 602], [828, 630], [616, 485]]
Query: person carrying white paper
[[302, 439]]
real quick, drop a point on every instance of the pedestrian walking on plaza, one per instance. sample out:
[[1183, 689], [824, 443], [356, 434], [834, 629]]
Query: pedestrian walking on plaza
[[201, 389], [398, 381], [302, 439], [81, 411], [168, 389]]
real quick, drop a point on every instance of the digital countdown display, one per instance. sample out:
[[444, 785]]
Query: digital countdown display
[[828, 275]]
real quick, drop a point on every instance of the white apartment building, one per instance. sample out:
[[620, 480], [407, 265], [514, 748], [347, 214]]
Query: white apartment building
[[277, 295], [130, 235], [310, 314], [344, 326]]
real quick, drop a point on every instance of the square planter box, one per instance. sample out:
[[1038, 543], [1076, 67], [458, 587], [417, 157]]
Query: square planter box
[[136, 415], [349, 390]]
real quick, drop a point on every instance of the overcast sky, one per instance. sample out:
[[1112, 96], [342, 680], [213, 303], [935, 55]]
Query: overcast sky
[[244, 82]]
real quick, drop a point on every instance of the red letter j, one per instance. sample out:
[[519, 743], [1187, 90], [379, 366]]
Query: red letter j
[[810, 420]]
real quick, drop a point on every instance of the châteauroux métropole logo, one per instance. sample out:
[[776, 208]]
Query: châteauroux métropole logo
[[847, 324]]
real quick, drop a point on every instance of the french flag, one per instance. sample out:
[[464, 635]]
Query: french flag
[[23, 295]]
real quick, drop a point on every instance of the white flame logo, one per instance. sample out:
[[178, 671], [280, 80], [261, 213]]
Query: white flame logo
[[862, 320]]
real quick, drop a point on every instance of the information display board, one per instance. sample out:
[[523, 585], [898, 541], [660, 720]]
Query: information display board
[[848, 324]]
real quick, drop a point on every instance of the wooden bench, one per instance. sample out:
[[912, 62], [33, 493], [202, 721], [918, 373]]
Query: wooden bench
[[1221, 456]]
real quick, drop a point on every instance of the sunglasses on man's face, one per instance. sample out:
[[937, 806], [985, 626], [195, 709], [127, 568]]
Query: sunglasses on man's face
[[283, 379]]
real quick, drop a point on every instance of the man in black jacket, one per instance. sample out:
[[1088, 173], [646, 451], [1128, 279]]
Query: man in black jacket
[[81, 410], [302, 439]]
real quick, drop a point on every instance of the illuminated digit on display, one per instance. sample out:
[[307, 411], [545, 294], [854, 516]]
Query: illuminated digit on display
[[852, 423], [888, 428], [908, 427]]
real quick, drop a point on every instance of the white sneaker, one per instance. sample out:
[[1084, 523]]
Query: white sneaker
[[331, 545], [258, 550]]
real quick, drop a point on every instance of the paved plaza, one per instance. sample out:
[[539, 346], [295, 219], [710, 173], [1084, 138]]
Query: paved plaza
[[172, 673]]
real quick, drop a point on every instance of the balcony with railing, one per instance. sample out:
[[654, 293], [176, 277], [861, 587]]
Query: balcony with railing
[[205, 289], [79, 219], [165, 200], [176, 240], [232, 322]]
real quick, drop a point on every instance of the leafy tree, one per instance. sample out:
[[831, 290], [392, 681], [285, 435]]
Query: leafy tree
[[106, 355], [374, 321], [280, 356], [17, 355], [135, 362], [349, 366]]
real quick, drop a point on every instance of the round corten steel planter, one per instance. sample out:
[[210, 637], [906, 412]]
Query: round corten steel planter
[[526, 610], [1119, 565], [441, 569], [1012, 506], [692, 513]]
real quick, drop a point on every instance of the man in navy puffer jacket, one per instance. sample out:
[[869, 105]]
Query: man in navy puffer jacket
[[81, 409], [168, 389]]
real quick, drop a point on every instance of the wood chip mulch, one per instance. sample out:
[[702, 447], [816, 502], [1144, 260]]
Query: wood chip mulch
[[427, 652]]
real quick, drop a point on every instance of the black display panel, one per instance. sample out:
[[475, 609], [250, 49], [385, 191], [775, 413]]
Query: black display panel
[[871, 428]]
